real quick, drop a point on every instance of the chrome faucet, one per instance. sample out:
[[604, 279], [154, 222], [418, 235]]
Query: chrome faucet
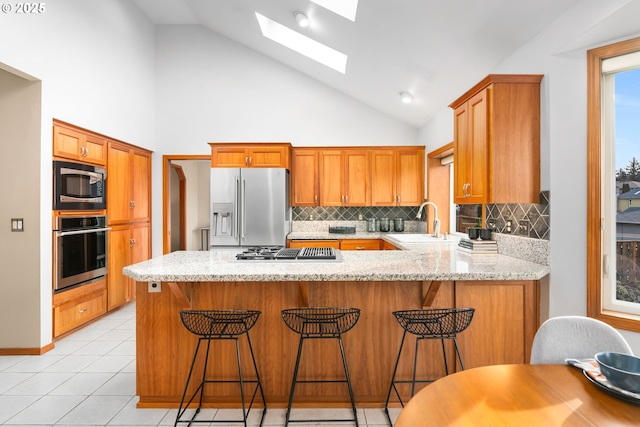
[[436, 221]]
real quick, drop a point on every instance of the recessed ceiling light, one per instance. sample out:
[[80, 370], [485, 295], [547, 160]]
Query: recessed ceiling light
[[406, 97], [301, 19], [345, 8], [302, 44]]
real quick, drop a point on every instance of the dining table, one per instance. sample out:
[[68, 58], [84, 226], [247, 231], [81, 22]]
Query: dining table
[[519, 395]]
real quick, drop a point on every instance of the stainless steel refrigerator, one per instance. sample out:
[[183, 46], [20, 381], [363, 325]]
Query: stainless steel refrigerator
[[249, 207]]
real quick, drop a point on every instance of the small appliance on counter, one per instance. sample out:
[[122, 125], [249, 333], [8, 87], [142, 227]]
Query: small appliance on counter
[[342, 230]]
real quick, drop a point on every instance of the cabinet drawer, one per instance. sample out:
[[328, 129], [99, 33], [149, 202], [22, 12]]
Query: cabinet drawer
[[314, 244], [76, 312], [360, 245]]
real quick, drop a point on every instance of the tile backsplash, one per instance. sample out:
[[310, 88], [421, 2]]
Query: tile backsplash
[[533, 217], [527, 219], [342, 213]]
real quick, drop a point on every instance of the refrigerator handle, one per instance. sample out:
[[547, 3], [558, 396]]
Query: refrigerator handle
[[235, 203], [243, 207]]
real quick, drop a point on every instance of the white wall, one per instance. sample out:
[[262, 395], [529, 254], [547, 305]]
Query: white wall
[[560, 54], [210, 88], [95, 60]]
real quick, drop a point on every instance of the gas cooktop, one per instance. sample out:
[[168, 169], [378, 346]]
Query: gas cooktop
[[277, 253]]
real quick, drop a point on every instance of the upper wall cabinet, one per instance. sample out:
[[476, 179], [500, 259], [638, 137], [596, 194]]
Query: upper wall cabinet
[[76, 144], [250, 155], [397, 176], [344, 177], [305, 190], [497, 141]]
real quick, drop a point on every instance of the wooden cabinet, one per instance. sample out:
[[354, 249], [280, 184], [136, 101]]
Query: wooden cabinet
[[128, 184], [129, 216], [128, 244], [314, 244], [77, 306], [360, 244], [344, 177], [250, 155], [397, 176], [497, 141], [304, 177], [77, 144], [505, 321]]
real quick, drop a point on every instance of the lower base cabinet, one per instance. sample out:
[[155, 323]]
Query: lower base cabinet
[[128, 244], [77, 306]]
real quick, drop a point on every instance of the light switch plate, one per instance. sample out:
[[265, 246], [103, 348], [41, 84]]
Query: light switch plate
[[17, 224]]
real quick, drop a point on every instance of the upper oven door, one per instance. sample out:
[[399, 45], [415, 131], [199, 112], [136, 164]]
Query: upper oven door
[[78, 186]]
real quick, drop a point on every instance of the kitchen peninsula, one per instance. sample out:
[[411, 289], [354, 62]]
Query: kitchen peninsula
[[504, 290]]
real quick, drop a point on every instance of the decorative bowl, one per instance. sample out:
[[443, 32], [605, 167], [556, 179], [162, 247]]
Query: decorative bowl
[[621, 370]]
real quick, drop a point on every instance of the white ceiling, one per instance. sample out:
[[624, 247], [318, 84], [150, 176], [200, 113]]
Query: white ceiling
[[435, 49]]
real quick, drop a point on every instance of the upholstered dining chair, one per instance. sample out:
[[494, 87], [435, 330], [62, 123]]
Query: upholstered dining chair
[[575, 337]]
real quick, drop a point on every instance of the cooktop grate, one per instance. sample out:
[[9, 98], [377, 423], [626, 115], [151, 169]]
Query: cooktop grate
[[317, 253]]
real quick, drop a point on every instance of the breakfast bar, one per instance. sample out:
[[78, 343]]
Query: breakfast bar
[[503, 290]]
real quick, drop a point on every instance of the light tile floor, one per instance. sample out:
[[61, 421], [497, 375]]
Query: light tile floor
[[89, 380]]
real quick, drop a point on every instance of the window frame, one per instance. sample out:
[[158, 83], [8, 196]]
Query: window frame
[[594, 186]]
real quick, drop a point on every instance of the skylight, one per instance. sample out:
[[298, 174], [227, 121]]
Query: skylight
[[345, 8], [302, 44]]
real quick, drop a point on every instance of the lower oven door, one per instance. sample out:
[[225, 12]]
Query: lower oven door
[[80, 256]]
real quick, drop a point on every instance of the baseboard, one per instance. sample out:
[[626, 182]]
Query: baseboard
[[26, 351]]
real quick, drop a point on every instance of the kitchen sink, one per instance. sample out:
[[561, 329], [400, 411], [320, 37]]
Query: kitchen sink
[[416, 238]]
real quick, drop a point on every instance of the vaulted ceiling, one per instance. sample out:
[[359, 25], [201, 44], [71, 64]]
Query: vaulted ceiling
[[434, 49]]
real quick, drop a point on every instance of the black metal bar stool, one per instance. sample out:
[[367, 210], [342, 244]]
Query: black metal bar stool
[[321, 323], [428, 324], [212, 325]]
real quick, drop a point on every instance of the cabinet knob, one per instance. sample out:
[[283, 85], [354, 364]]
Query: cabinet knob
[[250, 161], [346, 198], [316, 198], [82, 310]]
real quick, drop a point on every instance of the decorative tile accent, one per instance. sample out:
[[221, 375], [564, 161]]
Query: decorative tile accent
[[534, 217], [341, 213]]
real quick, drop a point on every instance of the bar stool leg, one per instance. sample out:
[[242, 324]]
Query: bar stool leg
[[241, 383], [293, 382], [200, 388], [455, 344], [393, 378], [346, 373], [444, 357], [259, 382]]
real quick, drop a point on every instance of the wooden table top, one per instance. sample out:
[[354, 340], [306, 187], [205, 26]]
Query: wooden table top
[[517, 395]]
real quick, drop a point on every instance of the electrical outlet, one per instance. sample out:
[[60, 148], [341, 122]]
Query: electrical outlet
[[154, 287], [524, 227], [509, 226], [491, 224]]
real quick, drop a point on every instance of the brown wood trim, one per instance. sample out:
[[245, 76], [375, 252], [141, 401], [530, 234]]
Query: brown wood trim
[[26, 351], [166, 168], [594, 197], [177, 292], [496, 78], [429, 292], [183, 208], [444, 151]]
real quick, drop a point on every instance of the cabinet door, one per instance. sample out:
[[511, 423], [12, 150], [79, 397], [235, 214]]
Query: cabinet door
[[409, 177], [268, 157], [229, 157], [471, 141], [67, 143], [383, 178], [504, 323], [119, 257], [304, 178], [356, 178], [118, 184], [140, 186], [95, 150], [330, 177], [140, 250]]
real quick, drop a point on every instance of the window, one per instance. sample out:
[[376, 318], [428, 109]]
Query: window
[[613, 245]]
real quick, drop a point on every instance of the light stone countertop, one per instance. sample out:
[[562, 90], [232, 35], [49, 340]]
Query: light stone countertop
[[418, 262]]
